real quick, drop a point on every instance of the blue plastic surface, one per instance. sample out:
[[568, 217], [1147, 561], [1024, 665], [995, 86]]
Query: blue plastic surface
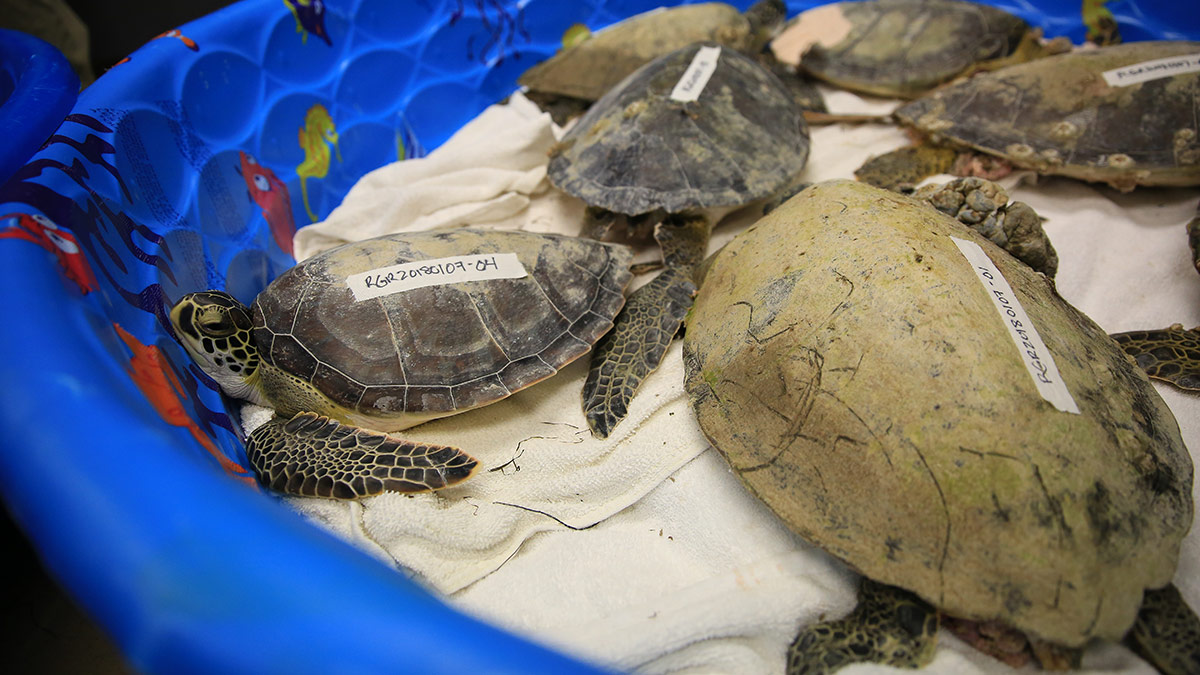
[[37, 89], [188, 166]]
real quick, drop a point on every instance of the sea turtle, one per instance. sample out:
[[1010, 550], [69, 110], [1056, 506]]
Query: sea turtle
[[568, 82], [907, 396], [702, 127], [1088, 115], [379, 335], [903, 48], [1170, 354]]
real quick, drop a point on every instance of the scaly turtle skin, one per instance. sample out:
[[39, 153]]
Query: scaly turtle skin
[[584, 72], [341, 372], [1171, 354], [1063, 118], [901, 48], [639, 155], [854, 369]]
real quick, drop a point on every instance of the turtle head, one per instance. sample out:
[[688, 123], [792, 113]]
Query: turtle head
[[215, 329]]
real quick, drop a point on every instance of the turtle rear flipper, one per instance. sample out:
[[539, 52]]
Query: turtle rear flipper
[[644, 328], [314, 456], [889, 626], [900, 170], [1166, 632], [1171, 354]]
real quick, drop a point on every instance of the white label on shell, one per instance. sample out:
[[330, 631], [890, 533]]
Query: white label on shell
[[1033, 351], [1152, 70], [694, 79], [422, 273]]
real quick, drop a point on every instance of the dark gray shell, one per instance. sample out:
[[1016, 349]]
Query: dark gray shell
[[440, 348], [1062, 117], [636, 150], [905, 47]]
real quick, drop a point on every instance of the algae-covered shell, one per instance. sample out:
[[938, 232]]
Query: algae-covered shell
[[897, 48], [590, 68], [849, 362], [1063, 115], [442, 348], [639, 148]]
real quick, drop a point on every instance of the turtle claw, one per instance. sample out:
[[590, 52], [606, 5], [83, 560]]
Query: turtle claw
[[311, 455]]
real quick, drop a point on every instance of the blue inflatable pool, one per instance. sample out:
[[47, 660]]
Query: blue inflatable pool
[[190, 165]]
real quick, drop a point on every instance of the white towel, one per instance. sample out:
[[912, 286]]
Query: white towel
[[643, 552]]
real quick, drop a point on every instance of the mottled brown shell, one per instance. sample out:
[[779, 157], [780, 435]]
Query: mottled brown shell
[[906, 47], [637, 150], [849, 363], [592, 67], [1062, 117], [440, 348]]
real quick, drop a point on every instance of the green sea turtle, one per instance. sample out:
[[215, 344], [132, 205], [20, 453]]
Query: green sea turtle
[[903, 48], [1119, 115], [702, 127], [568, 82], [1171, 354], [380, 335], [909, 397]]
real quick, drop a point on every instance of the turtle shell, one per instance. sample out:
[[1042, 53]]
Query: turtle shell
[[851, 365], [1061, 116], [637, 149], [443, 348], [592, 67], [899, 48]]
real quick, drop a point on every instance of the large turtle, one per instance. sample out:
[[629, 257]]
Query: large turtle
[[656, 152], [436, 332], [903, 48], [1087, 115], [584, 71], [935, 415]]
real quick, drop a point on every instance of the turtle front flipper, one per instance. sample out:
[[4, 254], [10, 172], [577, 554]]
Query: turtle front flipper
[[889, 626], [1171, 354], [900, 170], [314, 456], [644, 328], [983, 206], [1166, 632]]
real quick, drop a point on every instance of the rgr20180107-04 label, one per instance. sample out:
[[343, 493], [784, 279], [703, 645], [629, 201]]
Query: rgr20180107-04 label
[[420, 274]]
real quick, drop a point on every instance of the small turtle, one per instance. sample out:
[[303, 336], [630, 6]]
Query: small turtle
[[1086, 115], [903, 48], [568, 82], [340, 371], [1171, 354], [654, 152], [882, 394]]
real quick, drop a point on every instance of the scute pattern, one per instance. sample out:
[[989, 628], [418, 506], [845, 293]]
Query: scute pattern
[[441, 348]]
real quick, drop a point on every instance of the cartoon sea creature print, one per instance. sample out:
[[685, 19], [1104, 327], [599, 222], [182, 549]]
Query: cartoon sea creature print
[[173, 33], [317, 134], [271, 195], [153, 375], [310, 18], [43, 232]]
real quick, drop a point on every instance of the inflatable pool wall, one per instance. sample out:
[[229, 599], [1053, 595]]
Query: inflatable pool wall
[[189, 165]]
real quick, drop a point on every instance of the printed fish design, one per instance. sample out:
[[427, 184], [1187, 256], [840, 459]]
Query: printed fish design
[[271, 195], [173, 33], [310, 18], [315, 137], [157, 381], [43, 232]]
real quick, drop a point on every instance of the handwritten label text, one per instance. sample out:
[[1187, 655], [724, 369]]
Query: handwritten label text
[[422, 273]]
